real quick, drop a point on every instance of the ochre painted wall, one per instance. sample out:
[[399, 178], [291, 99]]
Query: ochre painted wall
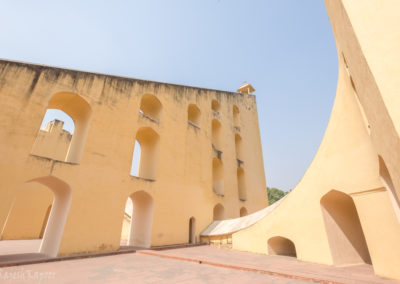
[[360, 142], [99, 179]]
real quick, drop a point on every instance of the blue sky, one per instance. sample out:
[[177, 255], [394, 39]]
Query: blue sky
[[284, 48]]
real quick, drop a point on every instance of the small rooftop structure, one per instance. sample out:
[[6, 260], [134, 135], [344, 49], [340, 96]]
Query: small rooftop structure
[[246, 88]]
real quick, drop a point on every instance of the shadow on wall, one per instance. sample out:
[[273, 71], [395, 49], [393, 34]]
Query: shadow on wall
[[345, 235]]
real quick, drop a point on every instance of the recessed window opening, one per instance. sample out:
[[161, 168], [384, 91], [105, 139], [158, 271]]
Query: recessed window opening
[[145, 154], [52, 141], [218, 212], [216, 134], [136, 160], [241, 184], [194, 115], [55, 135], [218, 176], [215, 106], [150, 107]]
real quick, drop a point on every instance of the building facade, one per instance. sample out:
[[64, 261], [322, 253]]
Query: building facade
[[200, 159]]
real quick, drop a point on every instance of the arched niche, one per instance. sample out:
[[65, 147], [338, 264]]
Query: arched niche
[[219, 212], [238, 147], [243, 212], [241, 184], [151, 107], [194, 115], [215, 105], [218, 176], [216, 133], [281, 246]]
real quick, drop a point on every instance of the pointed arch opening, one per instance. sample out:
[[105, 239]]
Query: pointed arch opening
[[150, 107], [218, 212], [192, 230], [343, 227], [281, 246], [218, 176], [194, 115], [243, 212], [138, 220], [145, 154], [64, 111]]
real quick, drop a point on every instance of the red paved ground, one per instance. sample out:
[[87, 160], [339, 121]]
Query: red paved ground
[[182, 266], [131, 268], [276, 264]]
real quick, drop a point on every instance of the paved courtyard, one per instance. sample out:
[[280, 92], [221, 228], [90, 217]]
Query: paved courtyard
[[201, 264]]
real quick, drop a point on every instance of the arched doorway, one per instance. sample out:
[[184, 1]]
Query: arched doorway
[[345, 235], [192, 230], [141, 219], [281, 246], [57, 217]]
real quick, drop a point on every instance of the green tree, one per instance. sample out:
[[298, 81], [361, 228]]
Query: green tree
[[274, 194]]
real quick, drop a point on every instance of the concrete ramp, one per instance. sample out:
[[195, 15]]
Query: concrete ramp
[[230, 226]]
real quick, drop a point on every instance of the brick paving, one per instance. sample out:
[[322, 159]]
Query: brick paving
[[131, 268], [199, 264], [275, 265]]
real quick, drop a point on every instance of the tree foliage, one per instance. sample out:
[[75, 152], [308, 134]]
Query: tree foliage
[[274, 194]]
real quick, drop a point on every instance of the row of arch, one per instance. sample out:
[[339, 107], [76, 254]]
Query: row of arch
[[140, 208], [217, 165], [219, 212], [146, 140], [151, 107], [194, 113], [343, 227]]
